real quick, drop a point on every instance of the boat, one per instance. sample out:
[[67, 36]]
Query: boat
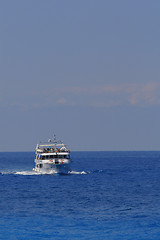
[[52, 157]]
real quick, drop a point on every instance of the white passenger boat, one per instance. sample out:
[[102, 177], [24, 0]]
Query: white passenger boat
[[52, 157]]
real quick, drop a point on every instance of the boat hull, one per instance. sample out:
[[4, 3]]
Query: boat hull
[[53, 169]]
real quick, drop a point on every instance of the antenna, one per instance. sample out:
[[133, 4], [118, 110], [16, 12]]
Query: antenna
[[54, 138]]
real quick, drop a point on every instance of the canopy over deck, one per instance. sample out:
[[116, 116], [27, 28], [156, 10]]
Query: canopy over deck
[[51, 144]]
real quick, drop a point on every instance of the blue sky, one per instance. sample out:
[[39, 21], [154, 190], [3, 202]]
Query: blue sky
[[85, 70]]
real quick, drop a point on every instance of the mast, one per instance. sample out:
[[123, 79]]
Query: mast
[[54, 141]]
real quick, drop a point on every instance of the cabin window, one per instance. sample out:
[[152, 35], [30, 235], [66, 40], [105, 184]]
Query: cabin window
[[46, 156], [56, 161], [39, 165], [43, 157]]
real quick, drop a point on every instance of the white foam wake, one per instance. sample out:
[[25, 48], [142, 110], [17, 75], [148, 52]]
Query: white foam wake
[[20, 173], [75, 172], [27, 173], [32, 172]]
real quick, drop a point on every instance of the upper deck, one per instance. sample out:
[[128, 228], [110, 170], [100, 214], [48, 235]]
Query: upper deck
[[55, 147]]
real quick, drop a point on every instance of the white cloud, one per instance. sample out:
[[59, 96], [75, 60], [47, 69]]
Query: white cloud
[[108, 95], [61, 101], [147, 94]]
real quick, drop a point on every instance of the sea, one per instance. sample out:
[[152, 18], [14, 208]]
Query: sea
[[107, 195]]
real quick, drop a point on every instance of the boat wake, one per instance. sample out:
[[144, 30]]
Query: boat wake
[[75, 172], [31, 173]]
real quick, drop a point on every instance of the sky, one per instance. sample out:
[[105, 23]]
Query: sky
[[85, 70]]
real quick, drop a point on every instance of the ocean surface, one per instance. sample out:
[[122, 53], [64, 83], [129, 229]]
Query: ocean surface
[[108, 195]]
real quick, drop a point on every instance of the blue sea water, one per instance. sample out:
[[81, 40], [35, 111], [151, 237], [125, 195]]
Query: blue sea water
[[108, 195]]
